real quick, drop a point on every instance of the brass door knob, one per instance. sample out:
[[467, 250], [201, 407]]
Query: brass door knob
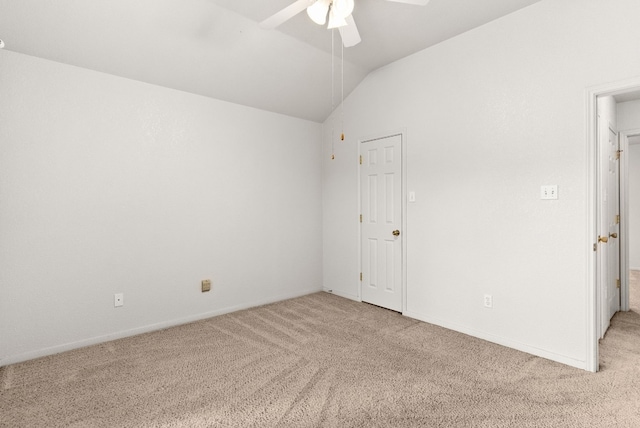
[[396, 233], [613, 235], [603, 239]]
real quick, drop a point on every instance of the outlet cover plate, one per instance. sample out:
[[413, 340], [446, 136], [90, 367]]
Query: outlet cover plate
[[118, 300], [549, 191], [488, 301]]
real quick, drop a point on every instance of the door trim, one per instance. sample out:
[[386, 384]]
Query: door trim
[[593, 302], [403, 206]]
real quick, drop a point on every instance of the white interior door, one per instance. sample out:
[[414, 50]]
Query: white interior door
[[608, 224], [381, 221], [613, 206]]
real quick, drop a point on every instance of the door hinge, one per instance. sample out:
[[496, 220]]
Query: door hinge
[[618, 283], [618, 152], [360, 276], [595, 247], [360, 218], [617, 218], [360, 159]]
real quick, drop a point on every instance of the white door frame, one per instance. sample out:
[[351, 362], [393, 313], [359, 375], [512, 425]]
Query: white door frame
[[403, 227], [593, 301]]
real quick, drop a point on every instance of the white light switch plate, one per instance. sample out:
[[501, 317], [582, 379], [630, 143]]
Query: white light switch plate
[[549, 191]]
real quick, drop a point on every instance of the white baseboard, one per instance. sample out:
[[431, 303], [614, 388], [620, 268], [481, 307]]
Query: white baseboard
[[13, 359], [342, 294], [634, 268], [502, 341]]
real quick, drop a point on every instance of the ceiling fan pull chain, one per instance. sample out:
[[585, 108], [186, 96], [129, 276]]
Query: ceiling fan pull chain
[[342, 96]]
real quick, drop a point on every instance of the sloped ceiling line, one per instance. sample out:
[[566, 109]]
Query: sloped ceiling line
[[215, 48]]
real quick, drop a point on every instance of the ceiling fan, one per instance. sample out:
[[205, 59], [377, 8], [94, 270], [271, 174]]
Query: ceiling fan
[[338, 13]]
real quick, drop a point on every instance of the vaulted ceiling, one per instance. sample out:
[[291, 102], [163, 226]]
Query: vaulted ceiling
[[216, 48]]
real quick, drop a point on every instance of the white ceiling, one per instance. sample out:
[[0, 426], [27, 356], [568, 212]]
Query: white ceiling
[[627, 96], [217, 49]]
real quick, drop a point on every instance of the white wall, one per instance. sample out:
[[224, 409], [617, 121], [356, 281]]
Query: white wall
[[110, 185], [628, 115], [490, 116]]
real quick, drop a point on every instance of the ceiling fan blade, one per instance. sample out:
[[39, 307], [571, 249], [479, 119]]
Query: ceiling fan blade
[[349, 33], [416, 2], [285, 14]]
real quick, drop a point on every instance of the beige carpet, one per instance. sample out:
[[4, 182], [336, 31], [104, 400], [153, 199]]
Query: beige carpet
[[322, 361]]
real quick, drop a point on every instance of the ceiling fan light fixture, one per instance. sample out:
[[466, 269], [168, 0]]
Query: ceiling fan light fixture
[[335, 21], [318, 11], [342, 8]]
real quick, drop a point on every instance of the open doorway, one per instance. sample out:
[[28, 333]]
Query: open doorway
[[628, 121], [632, 170], [613, 119]]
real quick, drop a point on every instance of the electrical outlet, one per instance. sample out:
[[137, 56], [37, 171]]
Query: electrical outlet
[[206, 285], [118, 300], [488, 301], [549, 191]]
